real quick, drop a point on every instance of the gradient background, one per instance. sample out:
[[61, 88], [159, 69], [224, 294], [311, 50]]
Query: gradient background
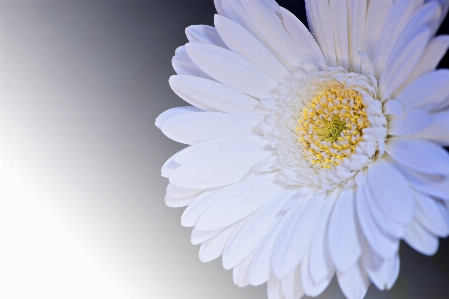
[[82, 209]]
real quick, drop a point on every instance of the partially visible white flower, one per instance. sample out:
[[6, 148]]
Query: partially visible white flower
[[312, 155]]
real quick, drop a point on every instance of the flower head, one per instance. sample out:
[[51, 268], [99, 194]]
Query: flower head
[[312, 154]]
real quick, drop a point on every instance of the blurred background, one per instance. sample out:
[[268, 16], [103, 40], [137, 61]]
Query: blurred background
[[82, 199]]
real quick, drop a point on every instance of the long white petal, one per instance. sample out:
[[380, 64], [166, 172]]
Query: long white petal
[[320, 261], [183, 65], [420, 239], [383, 244], [231, 69], [204, 34], [397, 18], [190, 128], [218, 7], [345, 249], [387, 224], [377, 12], [213, 248], [320, 20], [240, 202], [341, 29], [272, 30], [435, 50], [432, 214], [402, 61], [421, 155], [177, 202], [410, 123], [426, 91], [292, 286], [260, 267], [357, 32], [176, 191], [312, 288], [210, 95], [258, 226], [433, 185], [304, 41], [435, 128], [222, 146], [173, 112], [241, 41], [354, 282], [199, 236], [382, 272], [295, 239], [391, 191], [201, 204]]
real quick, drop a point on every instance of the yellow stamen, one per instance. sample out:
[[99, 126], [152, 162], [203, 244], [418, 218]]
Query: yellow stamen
[[334, 121]]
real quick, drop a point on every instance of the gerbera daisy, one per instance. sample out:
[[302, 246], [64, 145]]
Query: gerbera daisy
[[312, 154]]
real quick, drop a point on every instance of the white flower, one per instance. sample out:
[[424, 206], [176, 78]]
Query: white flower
[[308, 156]]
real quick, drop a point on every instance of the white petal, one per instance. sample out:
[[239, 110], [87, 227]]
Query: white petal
[[304, 41], [420, 239], [292, 286], [295, 239], [420, 155], [383, 244], [218, 7], [377, 12], [231, 69], [258, 226], [320, 20], [201, 204], [214, 171], [204, 34], [176, 191], [391, 191], [274, 288], [222, 146], [354, 282], [173, 112], [432, 214], [343, 235], [312, 288], [341, 17], [199, 236], [183, 65], [190, 128], [169, 166], [320, 262], [272, 30], [260, 267], [426, 91], [436, 128], [233, 10], [397, 18], [240, 202], [402, 62], [435, 50], [177, 202], [210, 95], [357, 32], [213, 248], [387, 224], [393, 107], [410, 123], [241, 274], [382, 272], [241, 41], [437, 186]]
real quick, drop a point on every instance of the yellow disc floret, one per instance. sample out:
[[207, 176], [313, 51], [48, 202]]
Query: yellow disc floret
[[331, 125]]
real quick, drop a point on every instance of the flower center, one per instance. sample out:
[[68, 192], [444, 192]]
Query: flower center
[[331, 125]]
